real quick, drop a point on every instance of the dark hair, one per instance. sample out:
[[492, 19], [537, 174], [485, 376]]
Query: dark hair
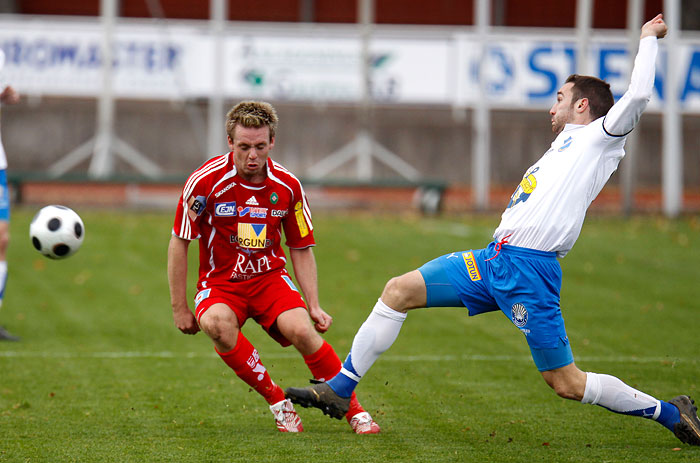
[[600, 98]]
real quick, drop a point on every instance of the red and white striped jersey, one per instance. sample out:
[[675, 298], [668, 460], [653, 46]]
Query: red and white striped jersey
[[239, 224]]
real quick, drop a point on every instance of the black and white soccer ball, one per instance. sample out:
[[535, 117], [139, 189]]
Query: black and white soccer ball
[[57, 232]]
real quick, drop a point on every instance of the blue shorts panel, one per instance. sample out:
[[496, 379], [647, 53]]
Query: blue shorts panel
[[443, 291], [523, 283], [4, 197], [438, 287], [550, 359]]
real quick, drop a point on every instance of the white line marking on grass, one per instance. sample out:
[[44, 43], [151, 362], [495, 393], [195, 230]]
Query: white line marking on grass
[[528, 358], [389, 358]]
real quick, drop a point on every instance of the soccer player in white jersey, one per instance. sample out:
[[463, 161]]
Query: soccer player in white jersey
[[519, 273], [8, 96]]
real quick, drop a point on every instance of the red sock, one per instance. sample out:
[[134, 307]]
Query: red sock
[[245, 361], [325, 364]]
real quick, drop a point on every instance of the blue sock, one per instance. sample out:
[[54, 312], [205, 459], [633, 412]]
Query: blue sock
[[669, 415], [342, 384]]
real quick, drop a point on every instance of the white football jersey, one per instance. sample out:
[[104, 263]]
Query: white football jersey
[[547, 210]]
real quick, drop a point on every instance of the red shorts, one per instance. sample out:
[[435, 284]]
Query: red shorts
[[262, 298]]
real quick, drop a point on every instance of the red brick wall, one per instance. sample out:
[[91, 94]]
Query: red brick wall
[[75, 7], [530, 13], [172, 9], [277, 10], [335, 11], [441, 12]]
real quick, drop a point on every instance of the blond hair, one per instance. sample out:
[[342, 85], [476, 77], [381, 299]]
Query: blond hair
[[252, 114]]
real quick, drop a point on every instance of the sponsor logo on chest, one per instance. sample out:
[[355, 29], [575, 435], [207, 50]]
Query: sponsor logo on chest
[[225, 209], [225, 189], [251, 235], [248, 266], [254, 212]]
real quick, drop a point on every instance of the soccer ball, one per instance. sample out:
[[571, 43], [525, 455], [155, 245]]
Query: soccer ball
[[57, 232]]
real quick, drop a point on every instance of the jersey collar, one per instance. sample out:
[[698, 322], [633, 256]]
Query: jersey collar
[[568, 127]]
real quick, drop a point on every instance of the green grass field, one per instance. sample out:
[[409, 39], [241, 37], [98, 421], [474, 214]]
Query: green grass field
[[102, 375]]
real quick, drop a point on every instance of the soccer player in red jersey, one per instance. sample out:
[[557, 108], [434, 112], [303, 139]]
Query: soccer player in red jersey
[[237, 205]]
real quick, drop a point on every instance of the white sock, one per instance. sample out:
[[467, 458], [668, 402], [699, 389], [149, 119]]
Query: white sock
[[611, 393], [375, 336], [3, 279]]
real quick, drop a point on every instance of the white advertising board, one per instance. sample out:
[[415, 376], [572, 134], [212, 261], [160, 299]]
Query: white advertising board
[[293, 68], [65, 59], [177, 61]]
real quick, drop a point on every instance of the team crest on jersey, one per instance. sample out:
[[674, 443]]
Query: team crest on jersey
[[519, 315], [225, 209], [566, 144], [473, 270], [525, 188], [301, 221], [274, 197], [252, 235]]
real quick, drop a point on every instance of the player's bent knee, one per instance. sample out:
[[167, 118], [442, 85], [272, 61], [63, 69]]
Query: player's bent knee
[[393, 295], [391, 290], [306, 341], [300, 333], [405, 292], [297, 328], [218, 327], [568, 384]]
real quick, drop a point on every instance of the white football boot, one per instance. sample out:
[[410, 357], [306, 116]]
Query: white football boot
[[362, 423], [286, 418]]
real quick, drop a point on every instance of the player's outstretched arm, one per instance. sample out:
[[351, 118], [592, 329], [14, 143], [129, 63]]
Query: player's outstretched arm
[[655, 28], [625, 114]]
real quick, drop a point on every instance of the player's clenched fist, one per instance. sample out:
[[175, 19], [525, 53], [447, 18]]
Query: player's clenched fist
[[655, 28]]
